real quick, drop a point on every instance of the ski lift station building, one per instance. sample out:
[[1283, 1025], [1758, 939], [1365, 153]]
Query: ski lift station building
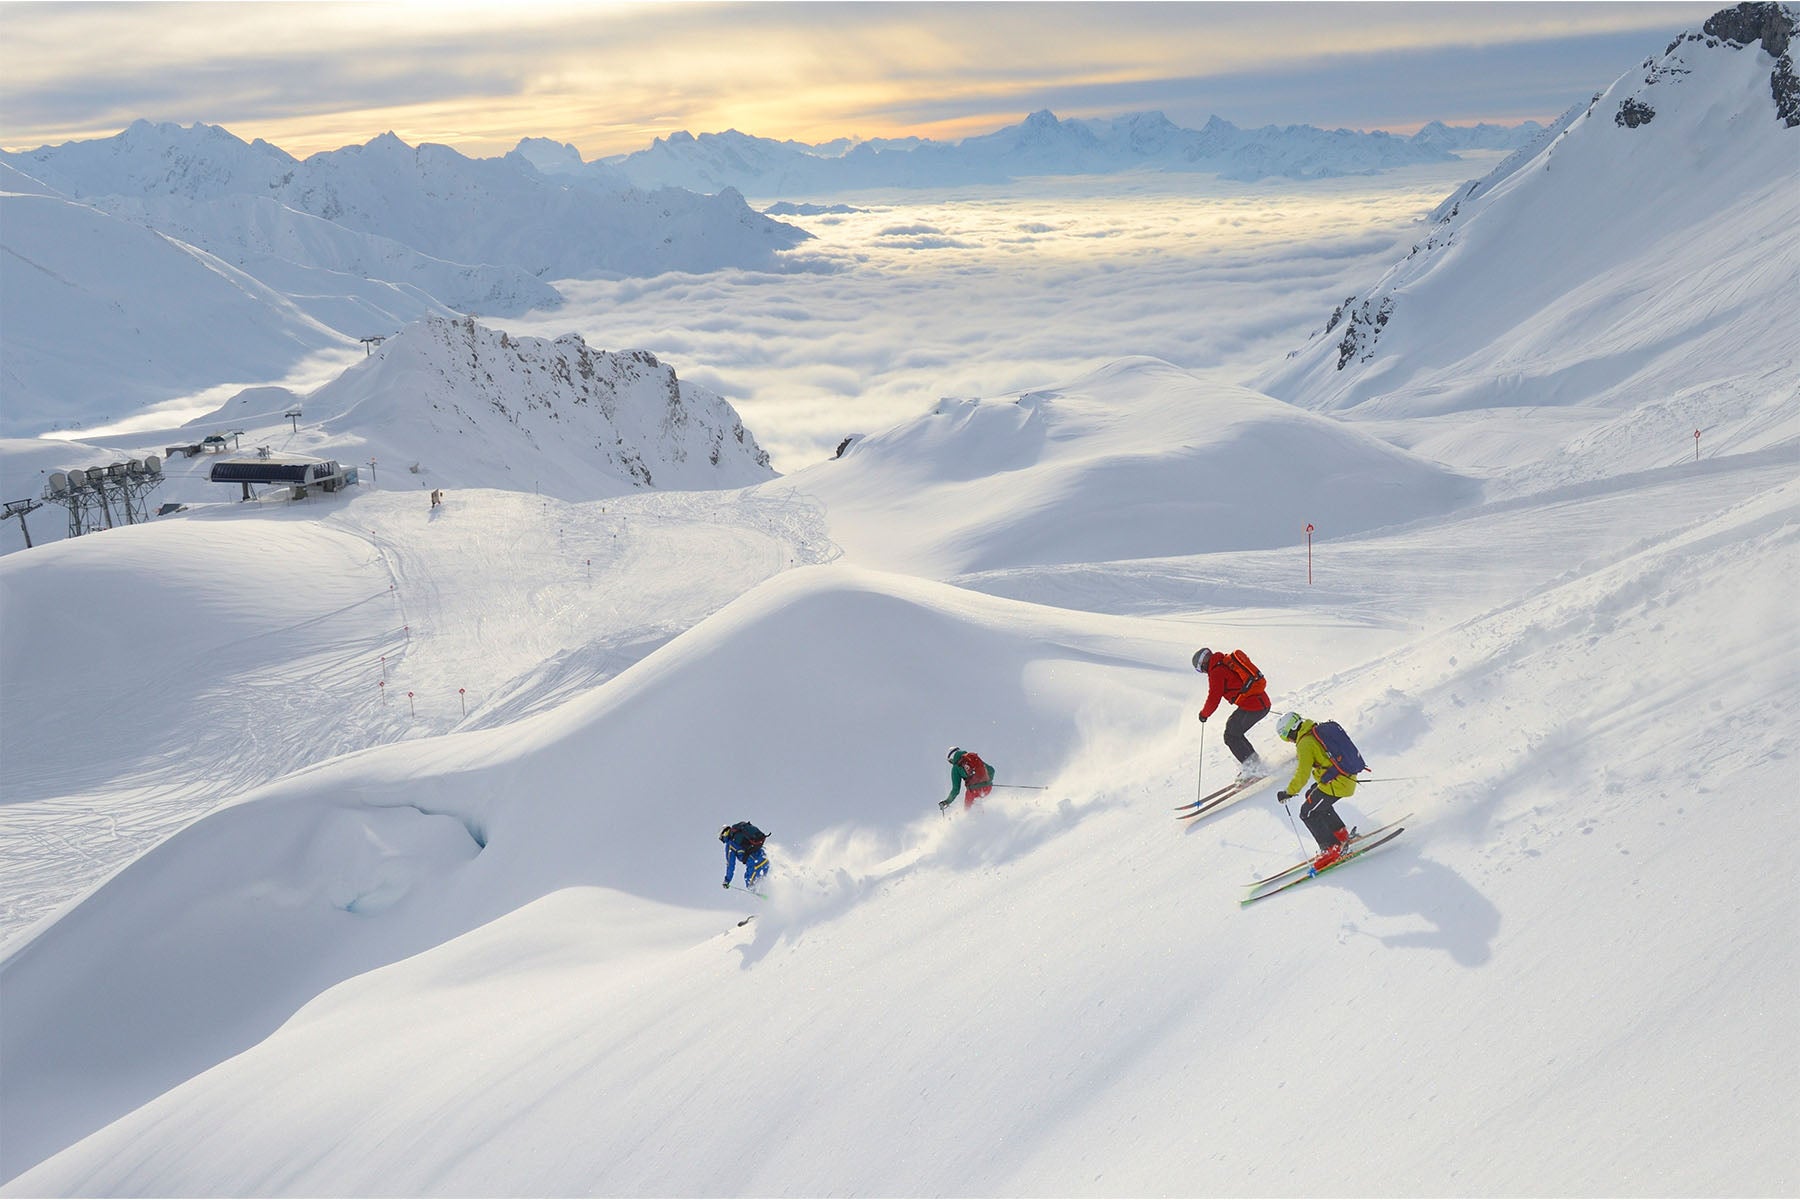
[[295, 474]]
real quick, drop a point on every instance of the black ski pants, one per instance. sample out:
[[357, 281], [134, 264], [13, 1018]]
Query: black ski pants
[[1237, 726], [1321, 817]]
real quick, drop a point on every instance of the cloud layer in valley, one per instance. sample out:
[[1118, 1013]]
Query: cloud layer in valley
[[984, 293]]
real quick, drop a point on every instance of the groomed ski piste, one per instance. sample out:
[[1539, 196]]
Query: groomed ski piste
[[327, 939]]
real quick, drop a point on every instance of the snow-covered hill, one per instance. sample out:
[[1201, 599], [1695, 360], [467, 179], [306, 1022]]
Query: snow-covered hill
[[1646, 255], [473, 407], [1139, 460], [1041, 144]]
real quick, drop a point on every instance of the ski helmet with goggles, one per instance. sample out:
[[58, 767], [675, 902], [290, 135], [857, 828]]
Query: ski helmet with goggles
[[1288, 726], [724, 832], [1202, 657], [955, 753]]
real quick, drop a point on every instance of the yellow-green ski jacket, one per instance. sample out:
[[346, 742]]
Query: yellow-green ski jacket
[[1313, 763]]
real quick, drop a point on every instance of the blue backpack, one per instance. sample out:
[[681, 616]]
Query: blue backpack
[[1345, 758]]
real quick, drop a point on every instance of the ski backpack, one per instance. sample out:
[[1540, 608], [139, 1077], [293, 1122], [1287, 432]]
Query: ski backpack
[[1253, 678], [747, 837], [977, 772], [1345, 758]]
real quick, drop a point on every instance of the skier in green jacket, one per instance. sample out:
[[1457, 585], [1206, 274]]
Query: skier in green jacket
[[967, 771]]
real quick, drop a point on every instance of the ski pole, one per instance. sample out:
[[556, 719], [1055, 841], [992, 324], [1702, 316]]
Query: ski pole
[[1294, 827], [1200, 771], [1029, 787], [1394, 779]]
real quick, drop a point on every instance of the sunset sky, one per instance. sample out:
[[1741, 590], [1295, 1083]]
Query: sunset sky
[[608, 77]]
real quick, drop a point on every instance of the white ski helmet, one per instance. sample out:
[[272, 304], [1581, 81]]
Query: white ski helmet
[[724, 832], [955, 753], [1202, 656], [1288, 726]]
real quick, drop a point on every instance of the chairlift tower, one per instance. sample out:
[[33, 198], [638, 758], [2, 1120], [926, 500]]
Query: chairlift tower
[[20, 509], [133, 482], [89, 494]]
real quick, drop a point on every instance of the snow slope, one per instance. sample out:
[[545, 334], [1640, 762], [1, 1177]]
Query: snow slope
[[1004, 980], [87, 331]]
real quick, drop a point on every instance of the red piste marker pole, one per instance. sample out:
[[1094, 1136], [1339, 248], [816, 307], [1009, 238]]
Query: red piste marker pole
[[1696, 445], [410, 706], [463, 695], [1309, 533], [383, 686]]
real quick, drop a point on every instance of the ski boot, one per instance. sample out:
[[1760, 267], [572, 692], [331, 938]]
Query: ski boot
[[1333, 852]]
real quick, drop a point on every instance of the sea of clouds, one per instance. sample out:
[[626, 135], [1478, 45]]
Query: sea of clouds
[[991, 291]]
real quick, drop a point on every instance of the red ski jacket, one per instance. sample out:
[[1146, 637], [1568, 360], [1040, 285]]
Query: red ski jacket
[[1223, 681]]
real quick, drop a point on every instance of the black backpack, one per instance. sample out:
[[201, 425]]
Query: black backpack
[[747, 837]]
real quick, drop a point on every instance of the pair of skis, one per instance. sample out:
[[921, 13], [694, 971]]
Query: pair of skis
[[1212, 802], [1301, 872]]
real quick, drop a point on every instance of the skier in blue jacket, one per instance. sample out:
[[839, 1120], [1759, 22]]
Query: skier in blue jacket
[[744, 844]]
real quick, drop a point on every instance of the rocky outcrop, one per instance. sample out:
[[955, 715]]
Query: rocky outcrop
[[1771, 26], [1366, 323], [1747, 24], [1786, 89], [1632, 113]]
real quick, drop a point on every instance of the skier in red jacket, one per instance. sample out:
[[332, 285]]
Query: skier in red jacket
[[1232, 676]]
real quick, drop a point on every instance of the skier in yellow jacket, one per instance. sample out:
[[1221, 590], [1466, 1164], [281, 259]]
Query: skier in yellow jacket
[[1331, 786]]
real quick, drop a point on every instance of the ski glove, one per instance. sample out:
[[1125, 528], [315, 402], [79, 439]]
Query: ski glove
[[1202, 718], [1284, 797], [943, 804], [726, 884]]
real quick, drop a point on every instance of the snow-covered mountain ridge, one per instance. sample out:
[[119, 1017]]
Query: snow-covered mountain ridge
[[1579, 276], [1042, 144], [343, 245], [495, 211]]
